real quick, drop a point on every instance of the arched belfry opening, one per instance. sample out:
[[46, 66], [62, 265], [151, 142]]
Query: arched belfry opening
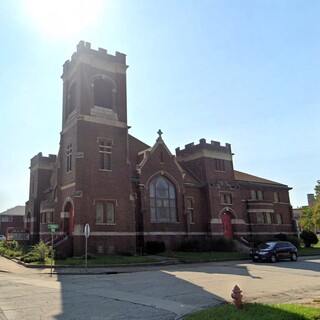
[[104, 92]]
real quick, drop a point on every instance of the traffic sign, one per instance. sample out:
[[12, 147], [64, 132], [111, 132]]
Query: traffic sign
[[87, 230]]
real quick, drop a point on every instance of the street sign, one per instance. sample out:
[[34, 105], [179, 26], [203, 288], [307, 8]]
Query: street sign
[[53, 227], [87, 230]]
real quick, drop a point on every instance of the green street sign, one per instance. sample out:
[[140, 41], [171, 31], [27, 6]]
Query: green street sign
[[53, 227]]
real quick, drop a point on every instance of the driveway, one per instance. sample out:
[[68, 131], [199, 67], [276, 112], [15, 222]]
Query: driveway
[[159, 293]]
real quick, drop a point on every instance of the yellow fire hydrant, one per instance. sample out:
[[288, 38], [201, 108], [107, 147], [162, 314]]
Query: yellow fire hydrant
[[237, 297]]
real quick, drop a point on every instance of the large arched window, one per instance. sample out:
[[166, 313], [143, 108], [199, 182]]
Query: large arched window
[[162, 200]]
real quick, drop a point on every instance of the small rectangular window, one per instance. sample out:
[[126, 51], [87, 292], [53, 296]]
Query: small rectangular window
[[253, 195], [226, 198], [260, 219], [220, 165], [6, 218], [105, 212], [161, 157], [268, 217], [110, 212], [260, 195], [105, 151], [69, 157], [279, 218], [99, 212], [276, 197], [189, 205]]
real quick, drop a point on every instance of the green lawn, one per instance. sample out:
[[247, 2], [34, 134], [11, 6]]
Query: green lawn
[[105, 260], [206, 256], [309, 251], [256, 311]]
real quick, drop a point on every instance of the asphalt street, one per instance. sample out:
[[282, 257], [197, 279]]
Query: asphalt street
[[157, 292]]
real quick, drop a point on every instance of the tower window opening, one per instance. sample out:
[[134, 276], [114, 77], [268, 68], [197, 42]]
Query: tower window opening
[[103, 93]]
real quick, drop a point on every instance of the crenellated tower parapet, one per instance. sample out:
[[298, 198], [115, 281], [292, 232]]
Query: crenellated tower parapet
[[85, 54], [43, 161], [209, 161], [214, 147]]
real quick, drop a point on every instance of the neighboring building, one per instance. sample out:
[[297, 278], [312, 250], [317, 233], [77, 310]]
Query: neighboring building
[[12, 218], [131, 193]]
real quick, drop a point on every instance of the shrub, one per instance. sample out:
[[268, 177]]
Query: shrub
[[223, 245], [188, 245], [31, 257], [39, 253], [308, 237], [284, 237], [154, 247], [10, 248], [281, 237], [206, 244], [295, 241]]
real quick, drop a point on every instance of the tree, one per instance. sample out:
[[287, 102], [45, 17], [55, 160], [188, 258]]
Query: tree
[[309, 238], [310, 216], [306, 218]]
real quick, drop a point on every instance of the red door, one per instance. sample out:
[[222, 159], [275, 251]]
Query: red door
[[227, 226]]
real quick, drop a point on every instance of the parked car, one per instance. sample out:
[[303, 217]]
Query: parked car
[[2, 237], [274, 251]]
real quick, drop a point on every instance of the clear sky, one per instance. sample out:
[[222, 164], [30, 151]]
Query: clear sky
[[240, 72]]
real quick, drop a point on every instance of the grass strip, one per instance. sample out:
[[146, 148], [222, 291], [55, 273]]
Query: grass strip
[[257, 311]]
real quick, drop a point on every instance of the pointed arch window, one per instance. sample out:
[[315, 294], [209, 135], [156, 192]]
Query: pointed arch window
[[163, 200]]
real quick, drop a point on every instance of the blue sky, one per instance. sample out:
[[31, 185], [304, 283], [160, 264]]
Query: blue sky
[[239, 72]]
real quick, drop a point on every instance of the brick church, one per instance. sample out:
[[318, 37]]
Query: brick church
[[129, 192]]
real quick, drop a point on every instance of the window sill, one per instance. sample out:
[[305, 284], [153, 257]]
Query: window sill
[[105, 223], [172, 222]]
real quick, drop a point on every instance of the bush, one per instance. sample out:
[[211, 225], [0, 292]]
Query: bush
[[31, 257], [10, 249], [308, 237], [39, 253], [281, 237], [284, 237], [154, 247], [295, 241], [206, 244]]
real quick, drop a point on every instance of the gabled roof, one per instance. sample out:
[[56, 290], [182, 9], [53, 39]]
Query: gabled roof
[[245, 177], [16, 211], [144, 154]]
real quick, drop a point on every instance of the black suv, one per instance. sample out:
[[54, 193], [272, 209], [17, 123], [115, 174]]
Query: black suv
[[274, 251]]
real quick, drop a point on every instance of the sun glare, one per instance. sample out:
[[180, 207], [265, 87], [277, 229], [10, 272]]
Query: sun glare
[[63, 18]]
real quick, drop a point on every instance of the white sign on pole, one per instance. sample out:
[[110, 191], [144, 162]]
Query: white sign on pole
[[86, 234], [87, 230]]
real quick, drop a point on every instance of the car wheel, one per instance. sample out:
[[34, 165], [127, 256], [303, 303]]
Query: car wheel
[[273, 258], [294, 257]]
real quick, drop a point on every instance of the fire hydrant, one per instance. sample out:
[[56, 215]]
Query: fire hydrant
[[237, 297]]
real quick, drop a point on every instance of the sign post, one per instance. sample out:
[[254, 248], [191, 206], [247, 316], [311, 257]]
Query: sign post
[[53, 228], [86, 234]]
